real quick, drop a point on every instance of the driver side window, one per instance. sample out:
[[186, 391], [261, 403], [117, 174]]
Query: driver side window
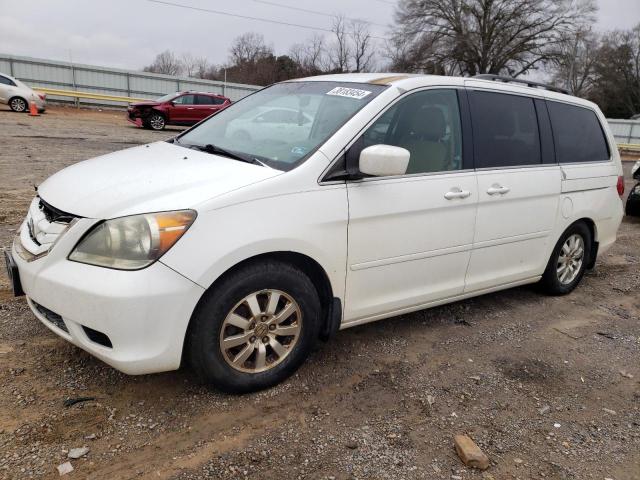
[[185, 100], [428, 125]]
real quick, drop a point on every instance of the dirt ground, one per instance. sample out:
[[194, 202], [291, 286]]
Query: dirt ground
[[548, 387]]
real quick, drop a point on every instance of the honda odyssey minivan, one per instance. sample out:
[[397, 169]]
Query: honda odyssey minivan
[[237, 253]]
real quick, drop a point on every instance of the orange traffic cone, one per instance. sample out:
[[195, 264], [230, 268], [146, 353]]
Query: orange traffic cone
[[33, 110]]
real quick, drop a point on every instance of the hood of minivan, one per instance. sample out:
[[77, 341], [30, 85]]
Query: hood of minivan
[[149, 178]]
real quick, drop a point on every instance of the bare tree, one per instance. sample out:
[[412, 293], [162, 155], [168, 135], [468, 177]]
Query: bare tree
[[362, 48], [574, 68], [617, 86], [187, 61], [201, 67], [486, 36], [309, 55], [166, 62], [339, 52], [248, 48]]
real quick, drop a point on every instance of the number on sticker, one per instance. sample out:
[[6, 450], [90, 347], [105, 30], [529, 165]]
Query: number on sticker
[[349, 92]]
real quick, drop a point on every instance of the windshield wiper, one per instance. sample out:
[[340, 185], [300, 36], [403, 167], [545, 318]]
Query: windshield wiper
[[214, 149]]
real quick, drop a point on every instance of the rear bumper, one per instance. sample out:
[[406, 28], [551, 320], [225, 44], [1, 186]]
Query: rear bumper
[[144, 314]]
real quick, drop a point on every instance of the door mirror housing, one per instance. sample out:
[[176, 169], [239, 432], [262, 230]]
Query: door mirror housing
[[384, 160]]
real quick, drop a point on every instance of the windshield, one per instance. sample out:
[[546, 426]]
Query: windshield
[[166, 98], [284, 124]]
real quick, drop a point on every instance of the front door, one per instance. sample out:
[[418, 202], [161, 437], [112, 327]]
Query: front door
[[184, 109], [518, 186], [410, 236]]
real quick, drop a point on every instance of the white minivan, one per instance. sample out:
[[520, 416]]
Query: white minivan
[[236, 253]]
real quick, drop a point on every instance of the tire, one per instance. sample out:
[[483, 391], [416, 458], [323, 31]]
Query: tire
[[568, 261], [258, 356], [18, 104], [156, 121]]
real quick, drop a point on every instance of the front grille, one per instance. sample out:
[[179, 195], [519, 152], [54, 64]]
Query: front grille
[[42, 228], [52, 214], [52, 317]]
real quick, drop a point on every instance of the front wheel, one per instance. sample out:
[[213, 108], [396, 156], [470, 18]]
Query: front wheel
[[568, 261], [18, 104], [156, 121], [254, 328]]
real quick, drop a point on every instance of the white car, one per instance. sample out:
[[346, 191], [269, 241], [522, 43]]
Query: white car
[[237, 255], [18, 96]]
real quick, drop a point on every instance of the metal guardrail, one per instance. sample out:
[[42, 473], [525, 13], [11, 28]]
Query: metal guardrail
[[111, 82], [92, 96]]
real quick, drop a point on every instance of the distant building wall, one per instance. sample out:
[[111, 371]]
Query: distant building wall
[[37, 72], [625, 131]]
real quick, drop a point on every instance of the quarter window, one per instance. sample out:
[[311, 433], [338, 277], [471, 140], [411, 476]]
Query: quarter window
[[577, 134], [427, 124], [505, 130]]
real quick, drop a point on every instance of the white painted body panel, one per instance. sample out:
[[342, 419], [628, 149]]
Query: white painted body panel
[[401, 232], [513, 229], [387, 245]]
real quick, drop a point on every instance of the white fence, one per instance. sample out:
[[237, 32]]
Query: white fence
[[626, 131], [37, 72]]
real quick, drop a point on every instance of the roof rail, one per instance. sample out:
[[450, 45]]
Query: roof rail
[[528, 83]]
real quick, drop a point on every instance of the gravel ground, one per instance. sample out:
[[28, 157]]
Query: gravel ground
[[548, 387]]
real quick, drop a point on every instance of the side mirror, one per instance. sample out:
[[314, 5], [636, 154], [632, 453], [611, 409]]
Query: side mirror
[[384, 160]]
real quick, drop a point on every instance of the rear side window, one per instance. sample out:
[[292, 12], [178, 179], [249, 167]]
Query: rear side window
[[577, 134], [204, 100], [505, 130], [6, 81]]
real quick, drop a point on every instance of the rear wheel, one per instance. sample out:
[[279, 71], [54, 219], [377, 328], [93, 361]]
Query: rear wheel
[[18, 104], [254, 328], [568, 261], [156, 121]]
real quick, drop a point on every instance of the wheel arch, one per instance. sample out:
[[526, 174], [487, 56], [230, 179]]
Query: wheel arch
[[593, 229], [331, 306], [20, 97]]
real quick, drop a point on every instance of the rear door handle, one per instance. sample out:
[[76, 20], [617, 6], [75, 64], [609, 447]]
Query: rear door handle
[[457, 193], [496, 189]]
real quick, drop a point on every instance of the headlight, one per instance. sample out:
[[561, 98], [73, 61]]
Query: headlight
[[635, 168], [132, 243]]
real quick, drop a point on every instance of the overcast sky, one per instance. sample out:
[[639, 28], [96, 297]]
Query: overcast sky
[[129, 33]]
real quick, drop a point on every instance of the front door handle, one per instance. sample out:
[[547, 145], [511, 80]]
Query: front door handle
[[496, 189], [457, 193]]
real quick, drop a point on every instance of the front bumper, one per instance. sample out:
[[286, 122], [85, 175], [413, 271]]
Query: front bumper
[[144, 313], [134, 117]]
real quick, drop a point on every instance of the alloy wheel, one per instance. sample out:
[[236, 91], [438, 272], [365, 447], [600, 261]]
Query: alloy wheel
[[260, 331], [18, 105], [157, 122], [570, 259]]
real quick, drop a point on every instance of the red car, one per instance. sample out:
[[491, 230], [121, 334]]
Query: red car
[[181, 108]]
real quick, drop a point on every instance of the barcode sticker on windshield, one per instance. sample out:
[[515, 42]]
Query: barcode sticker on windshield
[[349, 92]]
